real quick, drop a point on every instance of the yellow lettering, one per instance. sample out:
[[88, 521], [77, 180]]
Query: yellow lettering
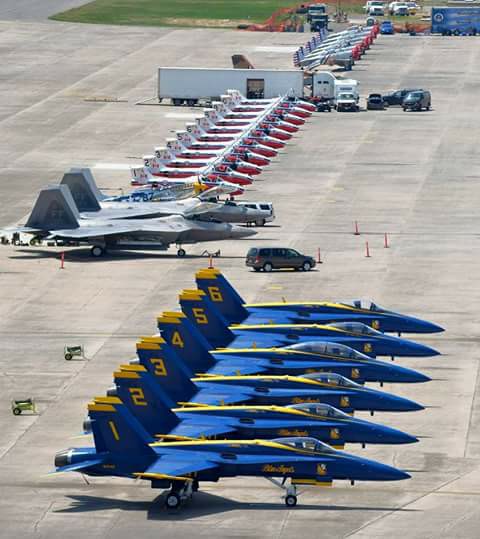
[[138, 397], [114, 430], [376, 324], [344, 401], [200, 315], [159, 364], [367, 347], [177, 340], [355, 373], [321, 469], [334, 434], [215, 294]]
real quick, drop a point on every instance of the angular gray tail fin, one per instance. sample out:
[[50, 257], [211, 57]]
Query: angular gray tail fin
[[84, 190], [54, 209]]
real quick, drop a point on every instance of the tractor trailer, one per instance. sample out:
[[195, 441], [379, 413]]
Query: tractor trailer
[[193, 85]]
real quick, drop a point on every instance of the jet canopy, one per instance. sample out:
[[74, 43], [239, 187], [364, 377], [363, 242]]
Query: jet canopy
[[306, 444], [331, 378], [364, 304], [327, 348], [323, 410], [356, 327]]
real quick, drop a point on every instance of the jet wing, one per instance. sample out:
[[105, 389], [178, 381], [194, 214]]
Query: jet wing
[[221, 395], [176, 467], [238, 368], [193, 428]]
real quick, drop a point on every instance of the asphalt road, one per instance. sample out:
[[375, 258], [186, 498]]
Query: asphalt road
[[412, 175]]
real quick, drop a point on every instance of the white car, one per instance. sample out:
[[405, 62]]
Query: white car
[[398, 8], [413, 7], [376, 11], [372, 3]]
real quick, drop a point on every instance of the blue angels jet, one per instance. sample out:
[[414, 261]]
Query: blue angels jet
[[123, 449], [142, 395], [177, 381], [236, 311], [215, 328], [296, 359]]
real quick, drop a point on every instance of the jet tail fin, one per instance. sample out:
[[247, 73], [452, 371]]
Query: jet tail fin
[[144, 398], [206, 317], [84, 189], [168, 370], [186, 341], [115, 429], [54, 209], [222, 294]]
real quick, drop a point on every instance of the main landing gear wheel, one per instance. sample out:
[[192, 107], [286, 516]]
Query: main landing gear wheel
[[97, 251], [267, 267], [290, 500], [172, 501], [181, 252]]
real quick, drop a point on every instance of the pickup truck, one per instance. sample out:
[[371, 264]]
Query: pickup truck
[[346, 102]]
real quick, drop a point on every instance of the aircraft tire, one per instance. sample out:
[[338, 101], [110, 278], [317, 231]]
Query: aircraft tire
[[68, 357], [267, 267], [290, 500], [181, 253], [172, 501], [97, 251], [17, 411]]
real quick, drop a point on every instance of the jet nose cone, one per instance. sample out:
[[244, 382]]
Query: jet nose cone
[[394, 403], [416, 349], [388, 435], [403, 375], [383, 472], [238, 232]]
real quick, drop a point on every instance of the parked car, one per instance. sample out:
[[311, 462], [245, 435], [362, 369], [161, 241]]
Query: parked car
[[269, 258], [375, 102], [372, 3], [323, 104], [413, 7], [397, 96], [398, 8], [376, 11], [266, 208], [387, 28], [347, 101], [418, 100]]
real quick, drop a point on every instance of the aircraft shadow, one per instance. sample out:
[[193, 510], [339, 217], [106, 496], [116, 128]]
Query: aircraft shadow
[[83, 255], [203, 504]]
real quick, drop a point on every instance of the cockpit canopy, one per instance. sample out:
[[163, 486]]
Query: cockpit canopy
[[327, 348], [320, 409], [331, 378], [355, 327], [364, 304], [306, 444]]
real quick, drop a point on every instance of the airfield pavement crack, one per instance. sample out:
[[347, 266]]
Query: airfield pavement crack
[[407, 504]]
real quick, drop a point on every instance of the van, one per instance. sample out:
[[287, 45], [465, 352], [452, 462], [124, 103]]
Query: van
[[269, 258], [417, 100], [265, 208]]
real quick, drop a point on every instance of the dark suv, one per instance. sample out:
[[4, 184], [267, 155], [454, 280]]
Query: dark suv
[[269, 258], [397, 97]]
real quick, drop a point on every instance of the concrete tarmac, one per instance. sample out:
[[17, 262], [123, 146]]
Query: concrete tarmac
[[412, 175]]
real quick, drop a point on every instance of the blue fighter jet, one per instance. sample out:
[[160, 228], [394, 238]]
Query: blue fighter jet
[[297, 359], [201, 311], [123, 449], [236, 311], [142, 395], [177, 381]]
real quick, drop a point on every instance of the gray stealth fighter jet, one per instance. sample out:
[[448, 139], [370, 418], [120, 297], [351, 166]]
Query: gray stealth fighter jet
[[91, 202], [55, 216]]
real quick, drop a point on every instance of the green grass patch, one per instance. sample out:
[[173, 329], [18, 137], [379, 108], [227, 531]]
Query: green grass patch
[[209, 13]]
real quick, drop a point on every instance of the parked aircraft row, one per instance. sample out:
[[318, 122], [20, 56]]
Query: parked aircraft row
[[218, 155], [206, 399], [341, 48]]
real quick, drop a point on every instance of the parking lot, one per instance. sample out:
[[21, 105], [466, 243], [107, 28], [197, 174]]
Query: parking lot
[[410, 175]]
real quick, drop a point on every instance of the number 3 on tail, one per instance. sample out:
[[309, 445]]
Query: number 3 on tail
[[160, 369]]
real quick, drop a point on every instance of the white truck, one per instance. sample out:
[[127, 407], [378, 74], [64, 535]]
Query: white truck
[[192, 85]]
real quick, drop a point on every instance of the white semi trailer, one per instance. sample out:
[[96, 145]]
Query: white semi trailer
[[193, 85]]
